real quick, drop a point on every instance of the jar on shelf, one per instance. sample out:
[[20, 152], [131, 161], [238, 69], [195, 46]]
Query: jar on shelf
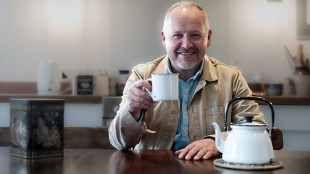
[[302, 81], [121, 81]]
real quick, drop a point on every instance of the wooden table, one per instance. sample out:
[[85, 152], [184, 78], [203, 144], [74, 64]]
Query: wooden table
[[111, 161]]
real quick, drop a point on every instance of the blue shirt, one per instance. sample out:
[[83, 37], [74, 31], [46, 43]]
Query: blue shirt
[[186, 92]]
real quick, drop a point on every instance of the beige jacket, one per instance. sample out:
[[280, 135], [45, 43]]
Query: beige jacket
[[217, 85]]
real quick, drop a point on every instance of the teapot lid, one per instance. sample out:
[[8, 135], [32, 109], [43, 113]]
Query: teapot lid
[[249, 122]]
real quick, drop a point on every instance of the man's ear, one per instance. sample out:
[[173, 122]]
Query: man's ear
[[163, 38], [209, 38]]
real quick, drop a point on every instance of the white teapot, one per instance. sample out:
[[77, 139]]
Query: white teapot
[[246, 143]]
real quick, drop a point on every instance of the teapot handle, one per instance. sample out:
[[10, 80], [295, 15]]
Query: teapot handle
[[248, 98]]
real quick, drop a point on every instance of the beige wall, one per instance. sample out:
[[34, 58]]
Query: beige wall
[[117, 34]]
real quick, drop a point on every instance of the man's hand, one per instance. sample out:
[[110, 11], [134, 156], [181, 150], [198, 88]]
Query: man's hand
[[138, 98], [200, 149]]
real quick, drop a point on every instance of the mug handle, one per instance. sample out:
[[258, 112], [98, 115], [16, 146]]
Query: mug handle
[[149, 92]]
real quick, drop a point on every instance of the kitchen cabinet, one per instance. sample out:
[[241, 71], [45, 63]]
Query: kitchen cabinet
[[292, 115], [294, 122]]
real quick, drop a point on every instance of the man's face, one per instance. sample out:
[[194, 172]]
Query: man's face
[[185, 38]]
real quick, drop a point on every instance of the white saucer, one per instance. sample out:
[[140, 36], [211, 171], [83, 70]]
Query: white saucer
[[272, 165]]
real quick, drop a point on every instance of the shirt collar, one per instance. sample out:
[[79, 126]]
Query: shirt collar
[[169, 66]]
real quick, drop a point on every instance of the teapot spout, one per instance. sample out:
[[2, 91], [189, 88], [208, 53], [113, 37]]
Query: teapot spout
[[219, 142]]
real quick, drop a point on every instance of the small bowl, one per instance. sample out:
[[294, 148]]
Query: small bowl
[[274, 89]]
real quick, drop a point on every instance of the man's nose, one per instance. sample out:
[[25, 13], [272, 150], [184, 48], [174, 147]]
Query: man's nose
[[186, 42]]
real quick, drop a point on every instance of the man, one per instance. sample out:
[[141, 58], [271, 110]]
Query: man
[[205, 86]]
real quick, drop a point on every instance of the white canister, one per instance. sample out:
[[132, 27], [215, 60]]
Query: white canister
[[302, 84], [49, 77], [302, 81], [288, 87]]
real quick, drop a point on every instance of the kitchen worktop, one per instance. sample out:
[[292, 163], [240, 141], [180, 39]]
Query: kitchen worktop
[[287, 100], [28, 90], [5, 98], [276, 100]]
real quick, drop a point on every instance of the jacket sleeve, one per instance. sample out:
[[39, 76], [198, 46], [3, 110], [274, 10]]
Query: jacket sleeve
[[124, 131], [242, 107]]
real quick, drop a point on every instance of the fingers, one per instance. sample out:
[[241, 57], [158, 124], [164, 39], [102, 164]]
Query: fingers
[[185, 153], [195, 153], [137, 97], [201, 149], [204, 153]]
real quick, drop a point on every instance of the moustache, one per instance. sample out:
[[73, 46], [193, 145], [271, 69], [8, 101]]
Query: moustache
[[191, 50]]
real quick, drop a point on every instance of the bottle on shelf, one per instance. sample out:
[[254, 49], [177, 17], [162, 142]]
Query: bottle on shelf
[[121, 82]]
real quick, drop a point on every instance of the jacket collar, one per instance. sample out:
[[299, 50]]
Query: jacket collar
[[209, 72], [162, 66]]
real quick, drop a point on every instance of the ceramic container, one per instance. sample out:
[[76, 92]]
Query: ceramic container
[[274, 89]]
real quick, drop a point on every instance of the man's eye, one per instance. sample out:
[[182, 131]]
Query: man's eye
[[196, 36], [177, 36]]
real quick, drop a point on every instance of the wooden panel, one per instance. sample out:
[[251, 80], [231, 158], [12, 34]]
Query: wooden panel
[[18, 88], [89, 99], [29, 90], [86, 138], [74, 137], [26, 88]]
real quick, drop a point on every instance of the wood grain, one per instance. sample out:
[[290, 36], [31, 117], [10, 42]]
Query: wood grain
[[101, 161], [74, 137]]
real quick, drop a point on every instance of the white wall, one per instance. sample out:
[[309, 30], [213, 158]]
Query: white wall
[[136, 27], [117, 34], [258, 33], [32, 30]]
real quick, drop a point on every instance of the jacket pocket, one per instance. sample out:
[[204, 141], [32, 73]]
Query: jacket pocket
[[215, 115]]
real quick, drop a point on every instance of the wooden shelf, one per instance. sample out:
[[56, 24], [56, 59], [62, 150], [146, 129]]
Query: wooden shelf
[[10, 90], [85, 99], [5, 98], [282, 100], [28, 90]]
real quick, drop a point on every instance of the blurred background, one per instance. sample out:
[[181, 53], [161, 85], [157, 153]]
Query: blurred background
[[110, 35]]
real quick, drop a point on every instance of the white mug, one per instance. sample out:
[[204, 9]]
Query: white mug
[[165, 87]]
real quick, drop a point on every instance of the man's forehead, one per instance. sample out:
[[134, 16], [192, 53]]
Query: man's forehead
[[185, 26]]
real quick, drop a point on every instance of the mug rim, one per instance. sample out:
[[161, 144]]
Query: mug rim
[[165, 73]]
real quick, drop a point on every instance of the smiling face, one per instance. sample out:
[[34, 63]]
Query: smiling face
[[185, 37]]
